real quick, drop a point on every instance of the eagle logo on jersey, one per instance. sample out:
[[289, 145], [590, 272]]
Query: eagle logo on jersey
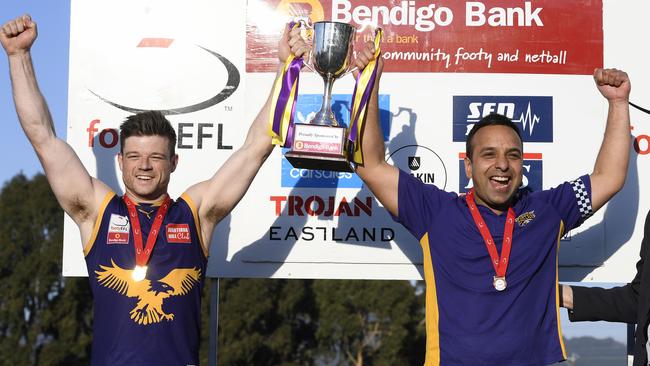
[[150, 294], [525, 218]]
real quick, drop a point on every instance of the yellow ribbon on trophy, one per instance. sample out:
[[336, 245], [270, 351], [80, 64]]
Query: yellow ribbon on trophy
[[284, 95], [360, 97]]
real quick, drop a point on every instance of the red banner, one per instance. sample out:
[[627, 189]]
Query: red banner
[[508, 36]]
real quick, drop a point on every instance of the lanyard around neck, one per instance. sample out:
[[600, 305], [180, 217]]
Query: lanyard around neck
[[143, 253], [500, 263]]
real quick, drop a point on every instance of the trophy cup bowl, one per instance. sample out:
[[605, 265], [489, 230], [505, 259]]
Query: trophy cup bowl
[[321, 143]]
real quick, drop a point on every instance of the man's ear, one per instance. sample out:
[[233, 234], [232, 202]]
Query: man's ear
[[468, 168], [174, 162], [119, 160]]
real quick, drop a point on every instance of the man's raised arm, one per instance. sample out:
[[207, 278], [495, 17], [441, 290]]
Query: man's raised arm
[[376, 173], [78, 193], [217, 196], [610, 168]]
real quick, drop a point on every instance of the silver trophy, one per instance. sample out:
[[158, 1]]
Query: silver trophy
[[321, 143]]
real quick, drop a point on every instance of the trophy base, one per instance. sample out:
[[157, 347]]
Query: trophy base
[[319, 147], [319, 162]]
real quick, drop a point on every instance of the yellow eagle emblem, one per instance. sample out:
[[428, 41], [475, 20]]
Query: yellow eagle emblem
[[150, 295], [525, 218]]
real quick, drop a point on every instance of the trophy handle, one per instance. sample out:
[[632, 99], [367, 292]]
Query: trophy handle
[[308, 62], [377, 30], [350, 71]]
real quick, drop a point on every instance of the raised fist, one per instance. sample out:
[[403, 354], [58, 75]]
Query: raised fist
[[613, 84], [365, 55], [292, 42], [18, 35]]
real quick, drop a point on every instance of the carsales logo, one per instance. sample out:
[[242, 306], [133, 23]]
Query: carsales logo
[[533, 115], [532, 171], [159, 78]]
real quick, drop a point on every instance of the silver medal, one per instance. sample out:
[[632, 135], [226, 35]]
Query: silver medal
[[499, 283]]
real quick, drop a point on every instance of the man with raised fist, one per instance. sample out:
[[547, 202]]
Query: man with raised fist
[[490, 256], [146, 254]]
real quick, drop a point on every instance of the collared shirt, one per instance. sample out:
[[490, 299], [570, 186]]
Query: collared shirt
[[468, 322]]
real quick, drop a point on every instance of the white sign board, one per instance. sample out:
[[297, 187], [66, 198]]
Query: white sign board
[[310, 224]]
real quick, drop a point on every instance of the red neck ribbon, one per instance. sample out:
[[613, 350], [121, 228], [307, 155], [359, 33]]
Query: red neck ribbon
[[142, 254], [500, 264]]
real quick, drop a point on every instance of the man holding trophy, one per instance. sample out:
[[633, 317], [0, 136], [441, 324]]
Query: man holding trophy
[[130, 281], [490, 257]]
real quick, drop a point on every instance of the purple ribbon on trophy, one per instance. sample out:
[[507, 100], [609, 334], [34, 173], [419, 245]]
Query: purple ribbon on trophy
[[285, 94], [360, 97]]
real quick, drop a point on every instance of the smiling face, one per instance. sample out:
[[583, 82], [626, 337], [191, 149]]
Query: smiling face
[[146, 163], [495, 166]]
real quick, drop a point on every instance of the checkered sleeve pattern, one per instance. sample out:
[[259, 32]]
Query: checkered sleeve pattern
[[582, 199]]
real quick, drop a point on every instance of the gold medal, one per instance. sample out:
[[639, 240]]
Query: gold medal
[[139, 273], [142, 253], [499, 283]]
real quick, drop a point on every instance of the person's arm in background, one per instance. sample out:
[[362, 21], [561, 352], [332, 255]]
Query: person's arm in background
[[618, 304]]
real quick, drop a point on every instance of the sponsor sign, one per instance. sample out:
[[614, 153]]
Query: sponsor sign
[[533, 115], [148, 49], [448, 36], [532, 173], [422, 163], [316, 205], [317, 139], [312, 215], [316, 224]]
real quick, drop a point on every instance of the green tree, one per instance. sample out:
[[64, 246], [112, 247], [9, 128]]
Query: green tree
[[44, 318], [369, 323], [266, 322]]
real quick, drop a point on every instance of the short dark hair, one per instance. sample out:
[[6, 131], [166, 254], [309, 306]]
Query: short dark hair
[[492, 119], [149, 123]]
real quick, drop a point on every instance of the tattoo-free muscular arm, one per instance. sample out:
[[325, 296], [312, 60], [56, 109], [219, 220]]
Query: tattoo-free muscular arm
[[611, 164], [381, 177], [76, 191], [216, 197]]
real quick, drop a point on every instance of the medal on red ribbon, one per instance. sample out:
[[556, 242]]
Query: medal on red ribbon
[[143, 253], [500, 263]]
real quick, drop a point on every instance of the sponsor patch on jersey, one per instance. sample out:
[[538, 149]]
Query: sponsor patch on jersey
[[178, 233], [118, 230]]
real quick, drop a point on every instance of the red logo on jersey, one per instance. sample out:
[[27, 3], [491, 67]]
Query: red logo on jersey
[[178, 233]]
